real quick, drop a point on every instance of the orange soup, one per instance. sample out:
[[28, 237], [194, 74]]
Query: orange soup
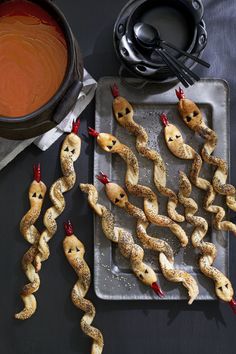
[[33, 57]]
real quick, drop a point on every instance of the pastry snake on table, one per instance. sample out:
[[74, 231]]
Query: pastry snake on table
[[123, 239], [74, 251], [30, 233], [118, 197], [177, 146], [124, 114], [223, 287], [70, 152], [192, 117], [110, 143]]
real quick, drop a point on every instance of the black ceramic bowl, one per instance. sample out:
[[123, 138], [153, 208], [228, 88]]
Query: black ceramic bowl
[[50, 114], [178, 21]]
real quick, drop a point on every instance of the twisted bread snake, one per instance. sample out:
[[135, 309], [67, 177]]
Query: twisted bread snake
[[74, 251], [30, 233], [192, 117], [124, 114], [223, 287], [118, 197], [123, 239], [176, 145], [110, 143]]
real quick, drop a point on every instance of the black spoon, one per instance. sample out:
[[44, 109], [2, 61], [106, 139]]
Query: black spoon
[[149, 36], [149, 40]]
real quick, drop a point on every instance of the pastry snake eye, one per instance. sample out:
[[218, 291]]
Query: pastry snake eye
[[188, 118], [140, 276], [146, 271], [170, 139], [73, 151], [116, 200], [113, 142], [195, 113], [40, 196], [127, 111], [120, 115], [77, 249], [178, 136], [220, 288], [122, 195], [227, 285], [66, 149], [34, 195], [70, 250]]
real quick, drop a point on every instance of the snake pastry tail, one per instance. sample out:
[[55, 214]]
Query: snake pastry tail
[[110, 143], [118, 197], [192, 117], [74, 251], [30, 233], [133, 252], [177, 146], [223, 287], [124, 114]]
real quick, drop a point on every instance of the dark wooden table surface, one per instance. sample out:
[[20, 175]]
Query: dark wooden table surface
[[129, 327]]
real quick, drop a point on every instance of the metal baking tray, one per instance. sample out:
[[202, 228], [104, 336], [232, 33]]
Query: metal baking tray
[[112, 275]]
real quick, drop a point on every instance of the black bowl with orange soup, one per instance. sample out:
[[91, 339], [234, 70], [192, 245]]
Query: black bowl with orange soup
[[41, 68]]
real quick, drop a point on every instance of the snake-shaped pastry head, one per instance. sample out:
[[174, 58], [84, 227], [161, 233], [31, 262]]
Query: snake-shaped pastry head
[[189, 111], [37, 189], [107, 142], [122, 109], [174, 140], [224, 289], [115, 193], [72, 144], [73, 247]]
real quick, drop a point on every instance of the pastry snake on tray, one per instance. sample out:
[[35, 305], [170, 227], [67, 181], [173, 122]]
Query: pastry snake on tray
[[74, 251], [30, 233], [118, 197], [192, 117], [177, 146], [223, 287], [110, 143], [124, 114], [123, 239]]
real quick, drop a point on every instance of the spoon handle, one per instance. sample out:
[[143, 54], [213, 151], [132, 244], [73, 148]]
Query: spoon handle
[[193, 57], [186, 80], [184, 67]]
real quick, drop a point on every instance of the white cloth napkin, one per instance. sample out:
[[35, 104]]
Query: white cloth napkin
[[9, 149]]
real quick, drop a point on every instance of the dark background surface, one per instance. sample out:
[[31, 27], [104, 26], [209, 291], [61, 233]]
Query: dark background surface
[[128, 327]]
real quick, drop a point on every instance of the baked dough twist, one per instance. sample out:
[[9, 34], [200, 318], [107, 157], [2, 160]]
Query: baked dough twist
[[74, 251], [192, 117], [124, 114], [118, 197], [176, 145], [30, 233], [123, 239], [110, 143], [223, 286], [70, 152]]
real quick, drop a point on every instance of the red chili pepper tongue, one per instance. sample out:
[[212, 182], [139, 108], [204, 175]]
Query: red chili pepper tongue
[[103, 178], [37, 173], [68, 228], [75, 126], [115, 90], [164, 119], [157, 290], [232, 304], [180, 93], [93, 132]]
